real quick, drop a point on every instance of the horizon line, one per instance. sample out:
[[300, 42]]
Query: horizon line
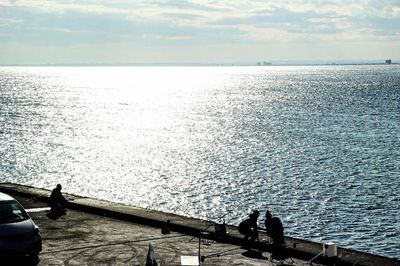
[[243, 63]]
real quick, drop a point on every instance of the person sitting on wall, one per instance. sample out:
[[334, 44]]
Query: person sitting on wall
[[274, 229], [166, 229], [57, 203], [249, 227]]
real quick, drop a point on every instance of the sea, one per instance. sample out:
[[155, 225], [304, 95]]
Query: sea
[[318, 146]]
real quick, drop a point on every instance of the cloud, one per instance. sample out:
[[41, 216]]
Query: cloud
[[63, 6], [200, 13], [7, 22], [297, 20], [190, 23]]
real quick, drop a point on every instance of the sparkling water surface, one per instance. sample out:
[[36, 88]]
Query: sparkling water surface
[[317, 145]]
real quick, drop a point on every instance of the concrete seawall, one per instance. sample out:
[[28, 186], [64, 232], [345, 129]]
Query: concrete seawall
[[297, 248]]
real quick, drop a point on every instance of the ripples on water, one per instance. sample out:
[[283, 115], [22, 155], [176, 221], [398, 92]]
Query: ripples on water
[[318, 146]]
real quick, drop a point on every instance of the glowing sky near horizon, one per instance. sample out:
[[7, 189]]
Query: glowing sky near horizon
[[196, 31]]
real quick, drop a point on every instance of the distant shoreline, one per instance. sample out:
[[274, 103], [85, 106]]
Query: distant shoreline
[[197, 65]]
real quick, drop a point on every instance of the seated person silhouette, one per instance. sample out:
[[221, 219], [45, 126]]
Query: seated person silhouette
[[274, 229], [249, 227], [166, 229], [57, 203]]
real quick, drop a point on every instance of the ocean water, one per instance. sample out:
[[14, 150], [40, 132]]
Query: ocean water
[[318, 146]]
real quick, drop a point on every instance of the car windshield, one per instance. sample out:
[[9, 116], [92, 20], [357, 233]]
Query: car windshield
[[11, 212]]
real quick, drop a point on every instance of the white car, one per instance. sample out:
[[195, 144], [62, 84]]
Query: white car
[[19, 236]]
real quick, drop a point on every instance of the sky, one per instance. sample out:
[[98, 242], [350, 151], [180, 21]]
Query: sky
[[196, 31]]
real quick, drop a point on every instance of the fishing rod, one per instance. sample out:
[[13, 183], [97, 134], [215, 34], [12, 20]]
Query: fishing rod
[[45, 194], [218, 254], [36, 197], [224, 215], [213, 223]]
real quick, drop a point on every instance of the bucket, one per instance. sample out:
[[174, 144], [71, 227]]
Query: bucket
[[329, 250], [220, 229]]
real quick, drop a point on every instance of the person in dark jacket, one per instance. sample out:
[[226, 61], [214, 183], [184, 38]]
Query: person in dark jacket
[[249, 227], [274, 229], [57, 203]]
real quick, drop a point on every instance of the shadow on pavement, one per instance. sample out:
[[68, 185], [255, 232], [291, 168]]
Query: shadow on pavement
[[254, 254]]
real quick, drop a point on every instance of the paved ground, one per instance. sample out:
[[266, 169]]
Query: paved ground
[[85, 236], [85, 239]]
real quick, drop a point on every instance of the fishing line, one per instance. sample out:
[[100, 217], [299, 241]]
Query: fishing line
[[213, 223], [37, 196]]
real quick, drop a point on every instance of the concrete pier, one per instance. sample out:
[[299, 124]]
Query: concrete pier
[[96, 232]]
